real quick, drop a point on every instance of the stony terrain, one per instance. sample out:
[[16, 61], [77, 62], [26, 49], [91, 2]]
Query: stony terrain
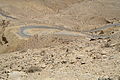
[[67, 53]]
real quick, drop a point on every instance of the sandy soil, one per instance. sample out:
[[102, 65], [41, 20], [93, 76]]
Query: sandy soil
[[50, 56]]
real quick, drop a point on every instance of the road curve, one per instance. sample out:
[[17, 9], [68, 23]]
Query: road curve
[[23, 30]]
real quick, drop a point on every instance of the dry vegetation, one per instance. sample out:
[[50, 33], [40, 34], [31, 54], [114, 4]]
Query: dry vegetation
[[3, 25]]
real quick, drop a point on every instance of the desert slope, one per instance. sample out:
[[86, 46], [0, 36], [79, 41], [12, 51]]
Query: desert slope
[[62, 44]]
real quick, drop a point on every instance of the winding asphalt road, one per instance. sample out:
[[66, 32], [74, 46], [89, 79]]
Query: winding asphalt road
[[105, 27], [102, 28], [23, 30]]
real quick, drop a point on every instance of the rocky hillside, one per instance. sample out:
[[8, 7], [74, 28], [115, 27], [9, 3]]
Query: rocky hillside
[[63, 56]]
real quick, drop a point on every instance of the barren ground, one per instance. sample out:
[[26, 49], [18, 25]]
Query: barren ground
[[64, 49]]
